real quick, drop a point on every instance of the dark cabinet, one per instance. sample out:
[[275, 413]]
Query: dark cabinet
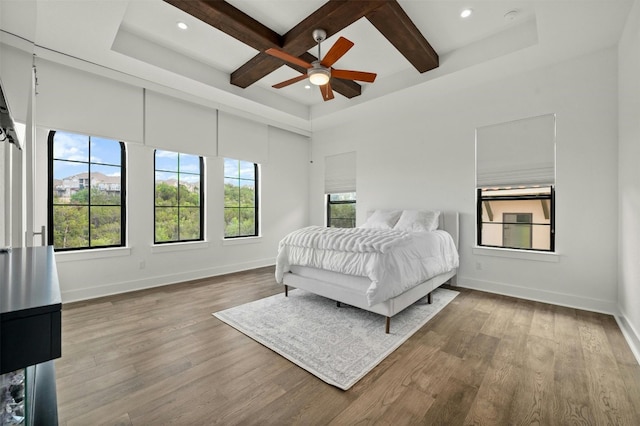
[[30, 324]]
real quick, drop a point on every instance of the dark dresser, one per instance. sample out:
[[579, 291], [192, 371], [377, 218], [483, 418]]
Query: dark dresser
[[30, 327]]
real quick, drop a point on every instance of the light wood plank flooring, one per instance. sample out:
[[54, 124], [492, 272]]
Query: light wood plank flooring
[[159, 357]]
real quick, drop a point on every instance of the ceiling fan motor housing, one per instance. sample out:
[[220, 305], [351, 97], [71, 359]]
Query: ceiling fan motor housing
[[319, 35], [318, 74]]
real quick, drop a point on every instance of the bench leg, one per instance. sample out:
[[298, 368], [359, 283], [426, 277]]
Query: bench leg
[[286, 290], [429, 299], [387, 325]]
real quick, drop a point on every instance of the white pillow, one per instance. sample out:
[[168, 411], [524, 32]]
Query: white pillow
[[382, 219], [418, 221]]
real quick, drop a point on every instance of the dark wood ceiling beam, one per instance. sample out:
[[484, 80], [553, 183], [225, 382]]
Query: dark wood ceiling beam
[[223, 16], [254, 69], [394, 23], [332, 17], [335, 15], [232, 21]]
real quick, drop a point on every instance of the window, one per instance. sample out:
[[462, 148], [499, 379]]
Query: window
[[240, 198], [515, 184], [341, 210], [86, 192], [520, 218], [179, 197]]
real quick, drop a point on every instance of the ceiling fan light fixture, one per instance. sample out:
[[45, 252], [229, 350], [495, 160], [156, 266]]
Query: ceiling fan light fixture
[[319, 76]]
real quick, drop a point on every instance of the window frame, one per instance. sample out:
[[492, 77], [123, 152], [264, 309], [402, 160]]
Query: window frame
[[329, 203], [256, 201], [50, 199], [201, 199], [552, 223]]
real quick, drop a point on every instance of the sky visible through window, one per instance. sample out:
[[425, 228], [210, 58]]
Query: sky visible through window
[[242, 169], [75, 149], [167, 167]]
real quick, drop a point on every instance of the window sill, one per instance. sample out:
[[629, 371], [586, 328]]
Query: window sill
[[171, 247], [540, 256], [72, 256], [241, 241]]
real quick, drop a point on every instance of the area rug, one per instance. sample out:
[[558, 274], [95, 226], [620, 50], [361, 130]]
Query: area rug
[[338, 345]]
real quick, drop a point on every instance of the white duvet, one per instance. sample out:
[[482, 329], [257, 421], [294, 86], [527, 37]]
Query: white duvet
[[394, 261]]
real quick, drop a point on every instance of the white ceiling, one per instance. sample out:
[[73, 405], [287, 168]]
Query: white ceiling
[[140, 38]]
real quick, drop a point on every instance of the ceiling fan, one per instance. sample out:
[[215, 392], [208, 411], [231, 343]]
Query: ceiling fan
[[320, 72]]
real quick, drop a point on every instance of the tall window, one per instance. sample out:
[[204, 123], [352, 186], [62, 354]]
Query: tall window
[[341, 210], [516, 218], [515, 184], [240, 198], [179, 197], [86, 192]]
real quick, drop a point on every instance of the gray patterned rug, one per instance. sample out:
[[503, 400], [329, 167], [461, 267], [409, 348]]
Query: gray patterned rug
[[338, 345]]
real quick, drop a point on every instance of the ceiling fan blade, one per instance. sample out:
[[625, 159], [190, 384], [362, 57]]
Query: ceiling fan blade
[[340, 47], [326, 91], [287, 57], [290, 81], [367, 77]]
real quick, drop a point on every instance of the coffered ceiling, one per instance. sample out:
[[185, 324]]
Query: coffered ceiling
[[141, 38]]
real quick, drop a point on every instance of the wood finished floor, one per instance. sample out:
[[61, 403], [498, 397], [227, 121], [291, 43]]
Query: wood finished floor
[[159, 357]]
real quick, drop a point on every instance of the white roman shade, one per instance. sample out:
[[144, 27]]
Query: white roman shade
[[520, 152], [82, 102], [15, 73], [340, 173], [175, 125], [242, 139]]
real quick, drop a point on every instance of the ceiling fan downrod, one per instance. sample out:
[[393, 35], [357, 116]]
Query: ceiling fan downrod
[[319, 35], [318, 74]]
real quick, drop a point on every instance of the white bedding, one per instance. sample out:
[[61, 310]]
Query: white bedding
[[394, 261]]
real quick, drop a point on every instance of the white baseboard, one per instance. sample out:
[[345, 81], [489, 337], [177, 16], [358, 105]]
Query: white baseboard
[[554, 298], [630, 334], [159, 281]]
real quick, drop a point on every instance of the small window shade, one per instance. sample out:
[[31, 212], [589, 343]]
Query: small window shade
[[242, 139], [340, 173], [520, 152], [79, 101], [175, 125]]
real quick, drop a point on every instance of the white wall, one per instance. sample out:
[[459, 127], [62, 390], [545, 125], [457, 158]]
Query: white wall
[[416, 149], [629, 178]]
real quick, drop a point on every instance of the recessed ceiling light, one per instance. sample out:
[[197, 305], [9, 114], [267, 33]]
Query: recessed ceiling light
[[182, 25], [306, 86], [466, 13]]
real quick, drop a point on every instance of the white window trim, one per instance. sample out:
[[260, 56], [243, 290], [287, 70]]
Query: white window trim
[[93, 253], [540, 256], [179, 246], [255, 239]]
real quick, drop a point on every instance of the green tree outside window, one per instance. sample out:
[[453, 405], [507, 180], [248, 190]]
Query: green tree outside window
[[240, 198], [178, 197]]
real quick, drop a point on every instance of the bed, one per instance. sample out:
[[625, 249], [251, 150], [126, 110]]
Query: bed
[[374, 267]]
